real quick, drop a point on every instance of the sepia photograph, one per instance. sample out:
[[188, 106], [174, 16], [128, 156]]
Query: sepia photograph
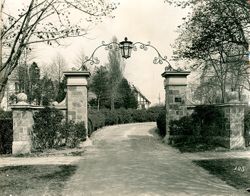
[[125, 98]]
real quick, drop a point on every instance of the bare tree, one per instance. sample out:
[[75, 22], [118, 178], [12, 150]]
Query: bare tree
[[46, 21], [54, 70], [80, 62], [214, 37]]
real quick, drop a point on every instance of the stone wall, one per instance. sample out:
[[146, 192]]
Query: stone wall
[[232, 134], [23, 126]]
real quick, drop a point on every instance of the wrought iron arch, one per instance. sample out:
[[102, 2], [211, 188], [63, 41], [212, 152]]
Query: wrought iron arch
[[159, 59]]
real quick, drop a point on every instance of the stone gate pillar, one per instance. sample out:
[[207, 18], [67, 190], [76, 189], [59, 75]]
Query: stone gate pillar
[[22, 125], [175, 84], [76, 100], [234, 125]]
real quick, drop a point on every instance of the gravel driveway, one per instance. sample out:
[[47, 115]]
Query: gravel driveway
[[131, 160]]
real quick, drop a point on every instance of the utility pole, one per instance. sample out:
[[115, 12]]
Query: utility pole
[[159, 98]]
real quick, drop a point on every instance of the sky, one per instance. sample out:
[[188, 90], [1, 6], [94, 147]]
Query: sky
[[139, 20]]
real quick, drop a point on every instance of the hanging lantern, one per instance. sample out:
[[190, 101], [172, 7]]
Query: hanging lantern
[[126, 47]]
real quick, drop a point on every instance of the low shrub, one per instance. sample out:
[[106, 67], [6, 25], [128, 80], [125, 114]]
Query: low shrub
[[140, 116], [5, 114], [124, 115], [50, 132], [154, 112], [111, 116], [208, 121], [204, 122], [72, 133], [183, 126], [47, 124], [96, 120], [161, 123]]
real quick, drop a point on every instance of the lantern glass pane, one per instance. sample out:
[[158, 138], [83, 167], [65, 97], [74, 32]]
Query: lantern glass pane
[[129, 51], [122, 51], [126, 49]]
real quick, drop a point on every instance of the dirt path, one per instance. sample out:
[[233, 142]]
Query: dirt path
[[129, 160]]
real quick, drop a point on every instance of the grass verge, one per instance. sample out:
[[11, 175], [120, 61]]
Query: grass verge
[[198, 147], [34, 179], [235, 172]]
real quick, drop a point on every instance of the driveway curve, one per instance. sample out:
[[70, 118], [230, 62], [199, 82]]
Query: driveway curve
[[131, 160]]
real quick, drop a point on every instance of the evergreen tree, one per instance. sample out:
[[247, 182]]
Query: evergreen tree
[[100, 85], [115, 68], [126, 96], [34, 83], [48, 90], [62, 90]]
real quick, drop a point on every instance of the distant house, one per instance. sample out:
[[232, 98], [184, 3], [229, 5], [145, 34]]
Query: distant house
[[143, 102]]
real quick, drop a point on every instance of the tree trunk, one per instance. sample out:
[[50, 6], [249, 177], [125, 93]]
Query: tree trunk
[[223, 93], [1, 97], [98, 103], [3, 83]]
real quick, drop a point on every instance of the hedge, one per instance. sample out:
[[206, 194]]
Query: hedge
[[204, 122], [6, 132], [106, 117], [247, 126]]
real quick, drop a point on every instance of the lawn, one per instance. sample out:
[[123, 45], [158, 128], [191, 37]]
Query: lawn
[[235, 172], [198, 147], [34, 180]]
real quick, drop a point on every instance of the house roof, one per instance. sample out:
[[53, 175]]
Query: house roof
[[139, 92]]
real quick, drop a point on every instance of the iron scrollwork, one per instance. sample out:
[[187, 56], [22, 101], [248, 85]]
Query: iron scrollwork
[[159, 59]]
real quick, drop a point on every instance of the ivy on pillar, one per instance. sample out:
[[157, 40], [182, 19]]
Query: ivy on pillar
[[175, 84]]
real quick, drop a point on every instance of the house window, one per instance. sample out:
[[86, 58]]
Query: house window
[[178, 99], [17, 87]]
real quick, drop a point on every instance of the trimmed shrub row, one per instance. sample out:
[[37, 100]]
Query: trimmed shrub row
[[106, 117], [51, 131]]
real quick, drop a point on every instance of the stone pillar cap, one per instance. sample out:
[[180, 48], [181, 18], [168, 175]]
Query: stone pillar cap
[[167, 74], [76, 73]]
